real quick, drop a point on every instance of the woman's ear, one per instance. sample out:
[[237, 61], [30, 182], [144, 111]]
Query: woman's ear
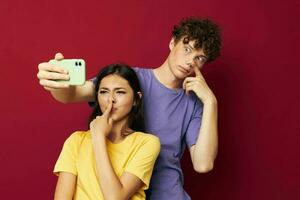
[[140, 95]]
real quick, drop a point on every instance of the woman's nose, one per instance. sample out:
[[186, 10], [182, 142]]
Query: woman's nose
[[112, 98]]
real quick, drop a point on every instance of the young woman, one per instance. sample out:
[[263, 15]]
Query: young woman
[[114, 159]]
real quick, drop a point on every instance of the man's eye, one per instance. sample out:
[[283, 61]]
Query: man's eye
[[201, 59], [121, 92], [187, 50]]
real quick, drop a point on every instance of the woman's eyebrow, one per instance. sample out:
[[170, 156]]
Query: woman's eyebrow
[[117, 88]]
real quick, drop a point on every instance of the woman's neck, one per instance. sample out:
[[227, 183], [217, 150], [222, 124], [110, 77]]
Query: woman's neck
[[118, 131]]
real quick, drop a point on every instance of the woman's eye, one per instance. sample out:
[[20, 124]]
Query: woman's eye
[[120, 92], [103, 92]]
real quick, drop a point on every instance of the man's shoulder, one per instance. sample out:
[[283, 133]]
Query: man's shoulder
[[141, 70], [144, 74]]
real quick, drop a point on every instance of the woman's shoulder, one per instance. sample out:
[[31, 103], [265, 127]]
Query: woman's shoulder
[[79, 136], [146, 137]]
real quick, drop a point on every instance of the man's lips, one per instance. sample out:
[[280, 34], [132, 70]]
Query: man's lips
[[182, 69]]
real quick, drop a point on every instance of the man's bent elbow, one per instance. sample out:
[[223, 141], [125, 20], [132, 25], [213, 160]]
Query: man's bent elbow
[[204, 168]]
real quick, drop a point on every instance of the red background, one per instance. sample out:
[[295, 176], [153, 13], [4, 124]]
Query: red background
[[256, 82]]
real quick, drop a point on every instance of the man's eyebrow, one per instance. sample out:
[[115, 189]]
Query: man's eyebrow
[[191, 46], [203, 56]]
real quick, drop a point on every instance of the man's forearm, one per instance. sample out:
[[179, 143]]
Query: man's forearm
[[65, 95], [205, 150], [75, 93]]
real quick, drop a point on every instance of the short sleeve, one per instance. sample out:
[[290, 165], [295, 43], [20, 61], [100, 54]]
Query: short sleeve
[[66, 161], [192, 132], [92, 103], [142, 163]]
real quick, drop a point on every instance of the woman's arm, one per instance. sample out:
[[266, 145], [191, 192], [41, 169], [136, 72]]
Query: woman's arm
[[65, 186], [113, 187]]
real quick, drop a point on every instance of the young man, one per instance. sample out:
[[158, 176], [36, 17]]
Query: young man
[[179, 106]]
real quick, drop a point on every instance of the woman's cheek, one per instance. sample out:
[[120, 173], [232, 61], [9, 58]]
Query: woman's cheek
[[125, 101], [103, 103]]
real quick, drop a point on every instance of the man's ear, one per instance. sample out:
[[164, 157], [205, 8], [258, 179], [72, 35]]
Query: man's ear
[[172, 43]]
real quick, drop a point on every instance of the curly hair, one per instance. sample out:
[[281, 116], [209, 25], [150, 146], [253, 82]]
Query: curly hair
[[204, 32]]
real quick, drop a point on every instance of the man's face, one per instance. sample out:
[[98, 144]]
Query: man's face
[[183, 58]]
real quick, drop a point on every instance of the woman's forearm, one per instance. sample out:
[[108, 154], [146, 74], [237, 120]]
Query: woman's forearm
[[110, 184], [65, 186]]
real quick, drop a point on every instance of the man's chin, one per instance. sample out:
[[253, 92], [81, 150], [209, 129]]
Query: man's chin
[[181, 75]]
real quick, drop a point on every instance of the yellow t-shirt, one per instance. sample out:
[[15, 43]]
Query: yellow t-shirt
[[136, 154]]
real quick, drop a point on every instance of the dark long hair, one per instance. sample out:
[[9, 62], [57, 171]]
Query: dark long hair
[[136, 115]]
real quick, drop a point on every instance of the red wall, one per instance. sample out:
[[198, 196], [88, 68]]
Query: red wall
[[256, 82]]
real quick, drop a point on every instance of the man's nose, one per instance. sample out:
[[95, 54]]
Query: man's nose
[[189, 62]]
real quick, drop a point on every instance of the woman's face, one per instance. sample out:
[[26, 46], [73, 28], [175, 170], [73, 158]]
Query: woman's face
[[117, 89]]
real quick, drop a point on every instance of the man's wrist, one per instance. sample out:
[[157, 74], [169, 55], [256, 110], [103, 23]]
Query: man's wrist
[[210, 101]]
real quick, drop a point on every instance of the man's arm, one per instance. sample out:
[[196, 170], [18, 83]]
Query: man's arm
[[72, 94], [204, 152], [62, 92]]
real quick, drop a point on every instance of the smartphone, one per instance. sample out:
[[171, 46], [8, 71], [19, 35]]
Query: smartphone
[[76, 68]]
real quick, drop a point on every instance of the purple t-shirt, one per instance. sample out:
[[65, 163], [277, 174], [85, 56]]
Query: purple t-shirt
[[175, 118]]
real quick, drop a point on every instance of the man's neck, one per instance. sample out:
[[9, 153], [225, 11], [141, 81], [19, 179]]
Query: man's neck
[[165, 76]]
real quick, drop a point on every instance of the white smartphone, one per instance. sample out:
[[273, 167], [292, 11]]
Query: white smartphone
[[76, 68]]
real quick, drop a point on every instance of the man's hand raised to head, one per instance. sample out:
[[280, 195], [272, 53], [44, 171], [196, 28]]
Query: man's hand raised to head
[[199, 86]]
